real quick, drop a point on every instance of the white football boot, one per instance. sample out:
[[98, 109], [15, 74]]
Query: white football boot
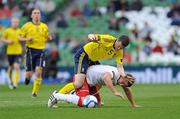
[[52, 100]]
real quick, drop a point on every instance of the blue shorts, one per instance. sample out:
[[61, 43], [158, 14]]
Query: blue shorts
[[14, 59], [34, 58], [82, 62]]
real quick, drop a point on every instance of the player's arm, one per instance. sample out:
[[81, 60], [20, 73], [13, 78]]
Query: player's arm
[[121, 70], [108, 82], [49, 38], [119, 61], [23, 33], [93, 38], [130, 96], [47, 35], [5, 38], [25, 39], [101, 38], [7, 41]]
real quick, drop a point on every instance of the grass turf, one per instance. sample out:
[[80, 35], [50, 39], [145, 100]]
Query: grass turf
[[157, 101]]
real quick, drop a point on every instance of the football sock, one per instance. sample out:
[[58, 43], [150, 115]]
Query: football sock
[[16, 78], [36, 85], [80, 102], [67, 98], [67, 88]]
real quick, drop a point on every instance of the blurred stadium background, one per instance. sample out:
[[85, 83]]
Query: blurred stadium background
[[153, 26]]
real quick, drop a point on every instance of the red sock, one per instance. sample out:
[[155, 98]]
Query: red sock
[[80, 102]]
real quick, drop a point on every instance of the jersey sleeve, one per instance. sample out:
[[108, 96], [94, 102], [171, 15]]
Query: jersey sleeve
[[119, 57], [23, 31], [106, 39]]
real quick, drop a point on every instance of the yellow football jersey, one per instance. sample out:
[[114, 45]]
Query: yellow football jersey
[[14, 48], [104, 49], [39, 33]]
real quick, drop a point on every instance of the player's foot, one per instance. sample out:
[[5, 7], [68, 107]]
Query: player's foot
[[52, 100], [102, 103], [34, 95], [55, 106], [11, 86], [27, 81]]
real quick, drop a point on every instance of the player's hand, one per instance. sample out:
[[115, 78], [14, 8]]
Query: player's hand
[[92, 37], [119, 95], [136, 106], [50, 37], [29, 39], [9, 41]]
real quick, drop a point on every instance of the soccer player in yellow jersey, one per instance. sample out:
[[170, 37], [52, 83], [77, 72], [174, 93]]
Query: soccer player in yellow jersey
[[101, 47], [14, 51], [35, 34]]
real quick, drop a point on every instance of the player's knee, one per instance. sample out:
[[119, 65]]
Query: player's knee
[[79, 80], [16, 67], [77, 85]]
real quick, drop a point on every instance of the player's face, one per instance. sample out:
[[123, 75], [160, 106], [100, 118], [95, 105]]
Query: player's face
[[118, 45], [122, 82], [14, 22], [36, 15]]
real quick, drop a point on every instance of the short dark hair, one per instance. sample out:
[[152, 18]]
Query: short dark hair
[[124, 40]]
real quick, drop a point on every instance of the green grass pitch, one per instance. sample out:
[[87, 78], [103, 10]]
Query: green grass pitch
[[157, 101]]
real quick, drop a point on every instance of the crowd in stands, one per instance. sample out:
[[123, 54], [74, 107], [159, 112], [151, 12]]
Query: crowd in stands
[[116, 19], [144, 43]]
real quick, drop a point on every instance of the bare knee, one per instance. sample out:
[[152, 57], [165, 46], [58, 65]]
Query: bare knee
[[16, 67], [79, 80]]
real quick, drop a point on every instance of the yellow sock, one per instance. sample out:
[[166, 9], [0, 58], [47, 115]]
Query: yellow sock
[[67, 88], [36, 85], [16, 78]]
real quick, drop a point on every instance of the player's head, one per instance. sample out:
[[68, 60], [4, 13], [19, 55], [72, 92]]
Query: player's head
[[128, 81], [121, 42], [14, 22], [36, 15]]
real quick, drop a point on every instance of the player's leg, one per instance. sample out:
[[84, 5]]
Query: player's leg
[[10, 71], [81, 64], [17, 70], [75, 99], [56, 96], [29, 66], [16, 74], [82, 92], [37, 81], [67, 88], [79, 80], [28, 77], [40, 62]]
